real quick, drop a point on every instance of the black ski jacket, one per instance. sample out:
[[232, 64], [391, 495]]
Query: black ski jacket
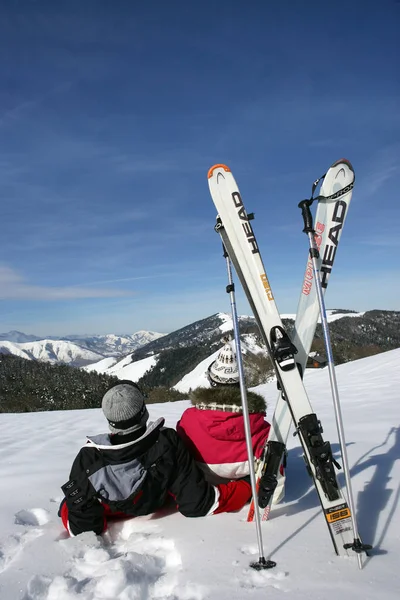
[[133, 478]]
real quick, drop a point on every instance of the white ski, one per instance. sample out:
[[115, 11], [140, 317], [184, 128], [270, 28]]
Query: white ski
[[329, 220], [240, 242]]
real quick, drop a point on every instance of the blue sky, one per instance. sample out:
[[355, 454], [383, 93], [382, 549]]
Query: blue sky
[[111, 114]]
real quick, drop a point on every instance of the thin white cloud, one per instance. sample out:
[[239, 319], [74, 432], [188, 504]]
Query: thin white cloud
[[19, 110], [383, 166], [378, 178], [14, 287]]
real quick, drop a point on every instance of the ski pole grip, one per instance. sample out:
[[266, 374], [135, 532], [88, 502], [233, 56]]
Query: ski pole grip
[[304, 205]]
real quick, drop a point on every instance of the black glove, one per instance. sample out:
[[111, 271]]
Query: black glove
[[74, 497]]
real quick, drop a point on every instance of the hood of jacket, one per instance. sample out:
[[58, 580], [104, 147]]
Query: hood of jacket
[[227, 398]]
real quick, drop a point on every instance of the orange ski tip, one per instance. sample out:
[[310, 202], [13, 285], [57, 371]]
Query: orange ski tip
[[210, 172]]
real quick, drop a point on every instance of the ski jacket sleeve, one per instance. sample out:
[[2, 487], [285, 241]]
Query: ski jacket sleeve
[[80, 510], [194, 496]]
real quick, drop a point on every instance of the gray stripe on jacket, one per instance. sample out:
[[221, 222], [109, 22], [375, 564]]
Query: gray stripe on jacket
[[118, 482]]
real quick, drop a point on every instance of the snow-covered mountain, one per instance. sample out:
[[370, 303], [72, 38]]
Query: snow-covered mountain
[[172, 359], [75, 350], [51, 351], [115, 345], [210, 330], [168, 358], [166, 556], [207, 333]]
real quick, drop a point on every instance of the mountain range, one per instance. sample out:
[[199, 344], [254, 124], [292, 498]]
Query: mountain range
[[167, 359], [74, 350], [176, 359]]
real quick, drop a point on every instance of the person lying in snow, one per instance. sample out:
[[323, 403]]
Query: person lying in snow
[[213, 430], [136, 468]]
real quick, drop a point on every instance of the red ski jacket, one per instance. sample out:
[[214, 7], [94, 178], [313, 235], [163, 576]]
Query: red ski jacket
[[217, 440]]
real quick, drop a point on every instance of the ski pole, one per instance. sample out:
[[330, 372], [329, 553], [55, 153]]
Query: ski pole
[[305, 205], [262, 563]]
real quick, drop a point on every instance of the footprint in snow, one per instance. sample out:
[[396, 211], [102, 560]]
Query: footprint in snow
[[131, 561], [249, 549], [33, 516], [251, 579], [11, 547]]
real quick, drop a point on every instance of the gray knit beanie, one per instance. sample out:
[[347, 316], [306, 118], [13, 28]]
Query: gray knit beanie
[[124, 408]]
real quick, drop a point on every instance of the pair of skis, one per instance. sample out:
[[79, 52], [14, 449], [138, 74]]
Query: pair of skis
[[289, 356]]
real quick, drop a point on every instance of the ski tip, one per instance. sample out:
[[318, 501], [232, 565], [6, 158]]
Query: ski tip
[[210, 172], [343, 160]]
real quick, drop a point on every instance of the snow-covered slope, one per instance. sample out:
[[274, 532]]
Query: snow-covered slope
[[13, 348], [169, 557], [332, 314], [52, 351], [198, 377], [102, 366], [227, 323], [125, 368], [132, 370]]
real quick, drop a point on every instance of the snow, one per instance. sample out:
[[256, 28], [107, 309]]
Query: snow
[[102, 365], [249, 343], [112, 344], [197, 377], [332, 315], [226, 324], [166, 556], [13, 348], [79, 349], [125, 368], [132, 370], [52, 351]]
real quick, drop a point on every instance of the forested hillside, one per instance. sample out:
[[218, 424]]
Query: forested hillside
[[27, 385]]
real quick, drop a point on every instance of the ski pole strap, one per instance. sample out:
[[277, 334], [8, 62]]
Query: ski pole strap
[[316, 182], [304, 206], [231, 286], [333, 196], [337, 194]]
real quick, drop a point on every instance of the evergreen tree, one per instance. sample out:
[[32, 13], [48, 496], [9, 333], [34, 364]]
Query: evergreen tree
[[30, 385]]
